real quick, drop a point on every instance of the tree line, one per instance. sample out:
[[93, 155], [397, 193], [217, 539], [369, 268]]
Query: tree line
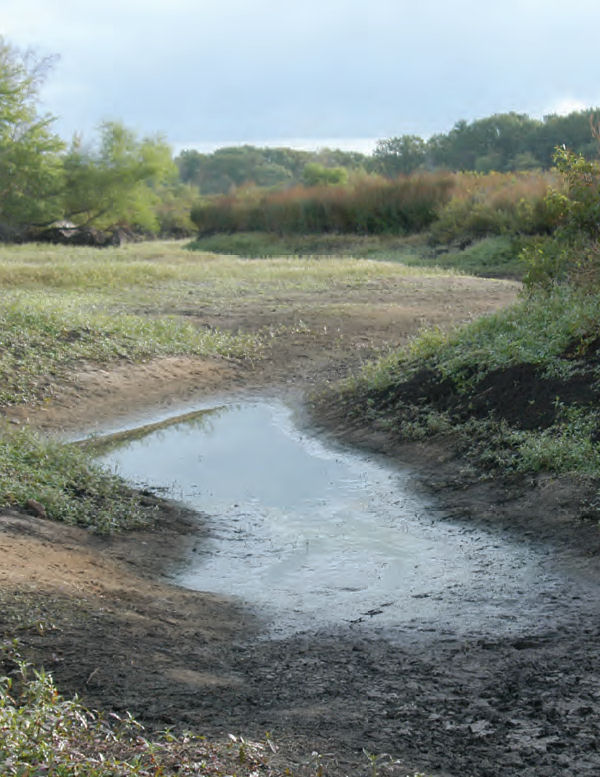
[[504, 142], [122, 180]]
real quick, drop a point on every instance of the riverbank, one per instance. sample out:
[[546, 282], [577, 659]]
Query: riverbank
[[91, 609]]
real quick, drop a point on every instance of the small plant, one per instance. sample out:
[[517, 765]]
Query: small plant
[[62, 482], [44, 734]]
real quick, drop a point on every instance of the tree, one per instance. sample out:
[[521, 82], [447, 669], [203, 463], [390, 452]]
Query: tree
[[30, 164], [315, 174], [400, 156], [116, 183]]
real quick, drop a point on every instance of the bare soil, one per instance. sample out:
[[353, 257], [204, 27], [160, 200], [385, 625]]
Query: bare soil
[[100, 614]]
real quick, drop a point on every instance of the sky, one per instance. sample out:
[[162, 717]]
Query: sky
[[314, 73]]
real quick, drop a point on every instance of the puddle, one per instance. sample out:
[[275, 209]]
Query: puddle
[[315, 537]]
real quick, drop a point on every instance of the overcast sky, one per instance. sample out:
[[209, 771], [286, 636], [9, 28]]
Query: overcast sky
[[308, 72]]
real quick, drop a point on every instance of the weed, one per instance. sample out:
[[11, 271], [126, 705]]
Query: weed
[[64, 482], [45, 734]]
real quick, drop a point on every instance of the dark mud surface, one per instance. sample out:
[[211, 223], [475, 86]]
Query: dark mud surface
[[447, 702], [519, 394]]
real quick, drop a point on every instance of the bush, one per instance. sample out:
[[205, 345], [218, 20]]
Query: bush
[[495, 204], [573, 253]]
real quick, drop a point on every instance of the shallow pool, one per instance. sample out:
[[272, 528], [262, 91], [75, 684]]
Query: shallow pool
[[313, 535]]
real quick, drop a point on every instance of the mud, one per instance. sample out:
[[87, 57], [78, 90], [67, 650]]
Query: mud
[[102, 615], [520, 394]]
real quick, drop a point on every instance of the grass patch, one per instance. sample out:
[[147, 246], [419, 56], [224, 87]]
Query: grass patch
[[494, 257], [65, 483], [490, 257], [535, 330], [262, 245], [45, 734], [518, 390], [43, 337]]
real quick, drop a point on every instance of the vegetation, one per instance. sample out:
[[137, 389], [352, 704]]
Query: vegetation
[[516, 391], [117, 183], [30, 167], [497, 257], [370, 206], [236, 167], [507, 142], [467, 221], [503, 142], [43, 733], [60, 482], [121, 181]]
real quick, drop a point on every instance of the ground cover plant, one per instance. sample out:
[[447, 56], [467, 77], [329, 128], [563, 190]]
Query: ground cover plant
[[61, 482], [497, 256], [44, 733]]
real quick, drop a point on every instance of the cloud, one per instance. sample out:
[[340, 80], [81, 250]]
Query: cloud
[[335, 68]]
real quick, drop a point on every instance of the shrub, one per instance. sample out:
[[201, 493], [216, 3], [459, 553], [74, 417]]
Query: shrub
[[573, 252], [495, 204]]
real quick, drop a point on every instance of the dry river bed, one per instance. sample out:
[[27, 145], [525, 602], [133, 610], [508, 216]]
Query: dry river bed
[[103, 617]]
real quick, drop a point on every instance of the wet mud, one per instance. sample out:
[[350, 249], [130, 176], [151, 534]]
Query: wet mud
[[476, 689]]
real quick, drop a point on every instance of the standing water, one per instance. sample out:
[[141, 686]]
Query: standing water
[[313, 536]]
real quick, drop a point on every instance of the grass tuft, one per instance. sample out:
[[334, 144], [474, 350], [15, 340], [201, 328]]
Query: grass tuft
[[64, 482]]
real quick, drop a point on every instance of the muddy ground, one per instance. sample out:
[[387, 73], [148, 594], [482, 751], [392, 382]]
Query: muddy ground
[[101, 615]]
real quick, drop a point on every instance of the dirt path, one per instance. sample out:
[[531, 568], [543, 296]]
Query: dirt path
[[95, 612]]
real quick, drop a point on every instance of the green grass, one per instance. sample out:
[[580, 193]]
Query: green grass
[[494, 257], [535, 331], [43, 337], [261, 245], [45, 734], [489, 257], [66, 482]]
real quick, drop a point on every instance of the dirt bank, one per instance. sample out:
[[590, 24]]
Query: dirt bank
[[95, 612]]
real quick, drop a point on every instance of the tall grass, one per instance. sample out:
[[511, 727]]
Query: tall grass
[[460, 206], [372, 205]]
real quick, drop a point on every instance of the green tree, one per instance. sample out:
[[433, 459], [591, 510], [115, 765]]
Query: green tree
[[116, 184], [400, 156], [315, 174], [30, 164]]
